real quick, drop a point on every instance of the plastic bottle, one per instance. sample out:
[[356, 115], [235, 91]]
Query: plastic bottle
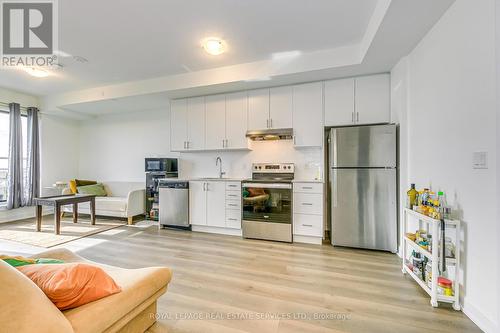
[[441, 201]]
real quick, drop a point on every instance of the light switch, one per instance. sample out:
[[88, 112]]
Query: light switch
[[480, 160]]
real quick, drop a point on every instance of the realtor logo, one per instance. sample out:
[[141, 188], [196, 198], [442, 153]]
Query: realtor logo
[[28, 32]]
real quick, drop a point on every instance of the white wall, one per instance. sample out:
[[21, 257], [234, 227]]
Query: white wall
[[113, 147], [449, 112], [497, 49], [59, 149], [10, 96]]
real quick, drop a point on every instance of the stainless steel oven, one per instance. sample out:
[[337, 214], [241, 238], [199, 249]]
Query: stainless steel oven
[[267, 203]]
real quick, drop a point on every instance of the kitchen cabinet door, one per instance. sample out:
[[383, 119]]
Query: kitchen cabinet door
[[215, 130], [236, 120], [197, 203], [216, 204], [258, 109], [339, 102], [178, 124], [373, 99], [280, 107], [196, 123], [308, 115]]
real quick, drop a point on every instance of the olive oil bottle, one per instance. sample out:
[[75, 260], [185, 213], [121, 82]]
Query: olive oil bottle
[[411, 197]]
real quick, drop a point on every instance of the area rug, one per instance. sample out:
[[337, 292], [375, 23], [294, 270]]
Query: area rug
[[24, 231]]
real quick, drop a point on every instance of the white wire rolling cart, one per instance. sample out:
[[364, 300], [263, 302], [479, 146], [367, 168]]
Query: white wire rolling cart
[[433, 226]]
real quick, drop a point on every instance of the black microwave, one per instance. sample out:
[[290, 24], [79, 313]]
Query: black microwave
[[161, 165]]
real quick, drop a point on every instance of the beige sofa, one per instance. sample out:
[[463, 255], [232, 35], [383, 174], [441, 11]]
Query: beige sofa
[[25, 308], [124, 200]]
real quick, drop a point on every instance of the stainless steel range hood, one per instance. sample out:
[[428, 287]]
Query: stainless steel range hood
[[270, 134]]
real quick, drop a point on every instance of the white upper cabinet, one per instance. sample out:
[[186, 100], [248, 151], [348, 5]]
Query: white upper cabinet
[[236, 120], [178, 124], [373, 99], [258, 109], [280, 107], [196, 123], [339, 102], [308, 114], [215, 111], [357, 101]]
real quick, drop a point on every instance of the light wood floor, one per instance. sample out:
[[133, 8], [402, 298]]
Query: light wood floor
[[222, 277]]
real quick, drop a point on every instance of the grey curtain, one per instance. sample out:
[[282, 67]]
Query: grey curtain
[[15, 176], [32, 186]]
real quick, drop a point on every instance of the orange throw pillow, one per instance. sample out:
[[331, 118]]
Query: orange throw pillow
[[71, 285]]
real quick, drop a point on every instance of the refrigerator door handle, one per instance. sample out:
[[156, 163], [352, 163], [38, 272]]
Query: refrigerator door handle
[[334, 147], [334, 187]]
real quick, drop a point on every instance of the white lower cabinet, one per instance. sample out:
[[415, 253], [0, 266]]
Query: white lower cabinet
[[308, 212], [197, 203], [215, 206], [308, 225], [233, 218]]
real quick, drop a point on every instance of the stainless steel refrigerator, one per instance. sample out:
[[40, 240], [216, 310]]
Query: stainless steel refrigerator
[[363, 183]]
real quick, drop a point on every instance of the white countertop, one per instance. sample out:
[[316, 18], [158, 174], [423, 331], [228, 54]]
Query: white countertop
[[319, 181], [215, 179]]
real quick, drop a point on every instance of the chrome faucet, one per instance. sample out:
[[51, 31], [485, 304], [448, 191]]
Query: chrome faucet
[[218, 161]]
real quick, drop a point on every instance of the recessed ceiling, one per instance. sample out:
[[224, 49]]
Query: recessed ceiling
[[125, 40], [122, 105]]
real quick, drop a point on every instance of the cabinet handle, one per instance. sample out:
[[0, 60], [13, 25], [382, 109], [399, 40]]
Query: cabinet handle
[[267, 123], [307, 187], [232, 195], [307, 204], [357, 116], [223, 143], [184, 144], [352, 117], [231, 219], [271, 122], [307, 225], [234, 205]]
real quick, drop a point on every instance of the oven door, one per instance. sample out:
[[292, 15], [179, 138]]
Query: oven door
[[267, 211], [264, 202]]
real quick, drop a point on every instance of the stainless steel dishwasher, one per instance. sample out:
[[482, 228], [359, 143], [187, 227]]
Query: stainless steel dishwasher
[[174, 204]]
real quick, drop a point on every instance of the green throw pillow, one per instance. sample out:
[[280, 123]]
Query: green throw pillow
[[97, 189]]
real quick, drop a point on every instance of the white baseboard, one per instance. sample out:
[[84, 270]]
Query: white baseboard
[[484, 323], [307, 239], [216, 230]]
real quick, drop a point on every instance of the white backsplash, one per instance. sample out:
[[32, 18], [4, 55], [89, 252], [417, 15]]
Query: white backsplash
[[237, 164]]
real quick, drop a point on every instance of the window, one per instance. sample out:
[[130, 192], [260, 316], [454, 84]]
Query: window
[[4, 151]]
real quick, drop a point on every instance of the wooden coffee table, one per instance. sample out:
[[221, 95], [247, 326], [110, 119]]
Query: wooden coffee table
[[62, 200]]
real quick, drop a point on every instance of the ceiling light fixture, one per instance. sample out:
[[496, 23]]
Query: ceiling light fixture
[[36, 72], [214, 45]]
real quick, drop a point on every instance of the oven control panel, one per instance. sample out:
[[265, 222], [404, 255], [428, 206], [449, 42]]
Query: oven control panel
[[273, 168]]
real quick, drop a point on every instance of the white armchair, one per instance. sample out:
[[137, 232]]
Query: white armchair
[[124, 199]]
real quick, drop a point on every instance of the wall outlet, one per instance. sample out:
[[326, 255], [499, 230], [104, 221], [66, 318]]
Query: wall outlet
[[480, 160]]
